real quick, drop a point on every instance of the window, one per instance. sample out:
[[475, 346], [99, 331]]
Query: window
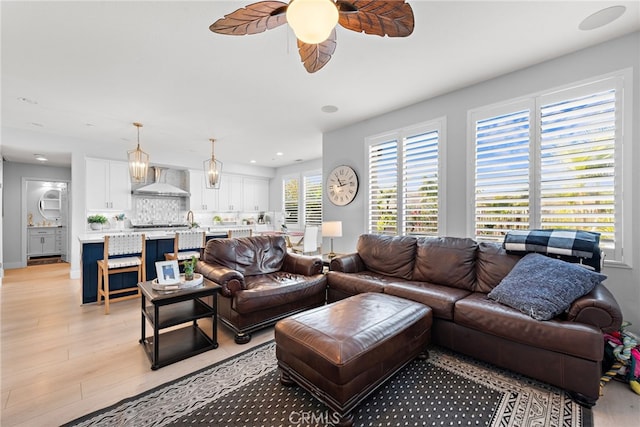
[[552, 161], [313, 199], [302, 202], [290, 195], [409, 160]]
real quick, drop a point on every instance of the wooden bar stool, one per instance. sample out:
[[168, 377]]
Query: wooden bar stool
[[122, 253], [185, 245]]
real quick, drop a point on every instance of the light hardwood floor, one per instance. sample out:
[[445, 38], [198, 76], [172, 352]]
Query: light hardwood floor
[[61, 360]]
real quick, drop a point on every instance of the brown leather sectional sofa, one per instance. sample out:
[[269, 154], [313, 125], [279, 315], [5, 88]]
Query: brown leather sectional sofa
[[260, 281], [453, 276]]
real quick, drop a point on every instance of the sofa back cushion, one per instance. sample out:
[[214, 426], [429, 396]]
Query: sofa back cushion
[[388, 255], [248, 255], [493, 264], [448, 261]]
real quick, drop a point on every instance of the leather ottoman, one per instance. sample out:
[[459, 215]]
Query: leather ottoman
[[341, 352]]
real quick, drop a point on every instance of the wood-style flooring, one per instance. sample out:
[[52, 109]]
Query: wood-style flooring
[[61, 359]]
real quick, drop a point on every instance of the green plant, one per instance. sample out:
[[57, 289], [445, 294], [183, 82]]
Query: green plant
[[217, 219], [97, 219], [189, 267]]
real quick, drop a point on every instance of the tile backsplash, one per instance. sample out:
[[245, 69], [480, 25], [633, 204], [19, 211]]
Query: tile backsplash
[[159, 209]]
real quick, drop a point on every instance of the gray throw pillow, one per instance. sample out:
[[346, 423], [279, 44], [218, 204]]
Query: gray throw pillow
[[544, 287]]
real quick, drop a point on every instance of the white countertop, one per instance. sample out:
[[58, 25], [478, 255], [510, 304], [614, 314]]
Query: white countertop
[[98, 236]]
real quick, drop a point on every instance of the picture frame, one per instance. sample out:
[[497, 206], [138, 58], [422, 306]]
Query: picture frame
[[168, 272]]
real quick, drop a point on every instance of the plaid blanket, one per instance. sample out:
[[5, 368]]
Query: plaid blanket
[[582, 245]]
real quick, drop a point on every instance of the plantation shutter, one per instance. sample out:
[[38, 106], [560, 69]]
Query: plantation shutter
[[502, 163], [313, 199], [383, 188], [291, 200], [420, 184], [577, 164]]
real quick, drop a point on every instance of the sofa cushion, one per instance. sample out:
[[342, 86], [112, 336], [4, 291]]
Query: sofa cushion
[[388, 255], [492, 265], [278, 289], [448, 261], [441, 299], [248, 255], [544, 287], [482, 314], [357, 283]]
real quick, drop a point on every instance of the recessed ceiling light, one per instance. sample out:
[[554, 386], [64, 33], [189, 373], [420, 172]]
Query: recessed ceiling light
[[329, 109], [89, 125], [40, 157], [602, 18], [252, 161], [40, 125], [279, 153], [27, 100]]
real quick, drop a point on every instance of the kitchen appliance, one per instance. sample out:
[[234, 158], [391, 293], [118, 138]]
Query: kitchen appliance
[[160, 187]]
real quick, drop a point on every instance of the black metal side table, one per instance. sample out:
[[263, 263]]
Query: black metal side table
[[166, 309]]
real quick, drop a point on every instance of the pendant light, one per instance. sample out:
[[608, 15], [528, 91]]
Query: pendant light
[[138, 162], [212, 169]]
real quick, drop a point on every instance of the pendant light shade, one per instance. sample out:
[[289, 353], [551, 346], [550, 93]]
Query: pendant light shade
[[138, 162], [312, 20], [212, 169]]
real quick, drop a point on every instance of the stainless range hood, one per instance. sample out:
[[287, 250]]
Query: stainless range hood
[[160, 187]]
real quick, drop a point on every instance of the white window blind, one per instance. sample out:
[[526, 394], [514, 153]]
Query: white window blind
[[313, 199], [502, 174], [383, 187], [291, 197], [420, 184], [405, 191], [577, 164]]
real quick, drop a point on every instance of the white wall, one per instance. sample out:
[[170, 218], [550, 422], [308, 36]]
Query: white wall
[[346, 146]]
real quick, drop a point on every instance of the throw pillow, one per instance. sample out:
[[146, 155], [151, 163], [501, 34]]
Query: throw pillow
[[544, 287]]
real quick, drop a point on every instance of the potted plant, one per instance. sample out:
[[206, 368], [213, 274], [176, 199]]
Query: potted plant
[[189, 267], [97, 221]]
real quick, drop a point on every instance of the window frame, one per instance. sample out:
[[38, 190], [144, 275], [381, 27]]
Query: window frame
[[622, 81], [301, 178]]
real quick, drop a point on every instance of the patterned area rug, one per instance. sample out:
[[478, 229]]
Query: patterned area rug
[[445, 390]]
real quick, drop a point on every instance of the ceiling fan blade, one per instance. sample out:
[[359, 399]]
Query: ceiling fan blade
[[316, 56], [252, 19], [390, 18]]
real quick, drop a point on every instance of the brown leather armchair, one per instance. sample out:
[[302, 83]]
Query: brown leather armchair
[[260, 281]]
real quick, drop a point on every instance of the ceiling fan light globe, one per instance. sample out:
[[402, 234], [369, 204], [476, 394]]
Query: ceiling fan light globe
[[312, 20]]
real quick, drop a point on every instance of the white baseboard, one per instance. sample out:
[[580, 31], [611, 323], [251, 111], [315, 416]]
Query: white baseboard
[[75, 274], [11, 265]]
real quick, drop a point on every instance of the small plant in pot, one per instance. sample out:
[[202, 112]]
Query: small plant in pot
[[189, 267], [97, 221]]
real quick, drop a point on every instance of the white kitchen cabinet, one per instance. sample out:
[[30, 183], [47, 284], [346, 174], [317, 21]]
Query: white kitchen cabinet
[[202, 198], [108, 185], [255, 194], [230, 196]]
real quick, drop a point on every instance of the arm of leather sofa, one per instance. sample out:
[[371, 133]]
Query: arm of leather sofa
[[598, 308], [301, 264], [348, 263], [231, 281]]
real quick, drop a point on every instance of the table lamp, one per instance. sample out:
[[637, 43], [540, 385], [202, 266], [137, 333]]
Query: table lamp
[[332, 229]]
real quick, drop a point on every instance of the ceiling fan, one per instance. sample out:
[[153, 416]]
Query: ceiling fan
[[314, 22]]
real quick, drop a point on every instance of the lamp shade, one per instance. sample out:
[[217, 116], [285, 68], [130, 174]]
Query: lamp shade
[[138, 161], [332, 229], [312, 20], [212, 170]]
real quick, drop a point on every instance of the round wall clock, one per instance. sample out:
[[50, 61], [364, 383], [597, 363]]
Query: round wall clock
[[342, 185]]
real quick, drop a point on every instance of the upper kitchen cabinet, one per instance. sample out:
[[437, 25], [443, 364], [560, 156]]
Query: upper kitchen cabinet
[[230, 193], [202, 198], [255, 194], [108, 185]]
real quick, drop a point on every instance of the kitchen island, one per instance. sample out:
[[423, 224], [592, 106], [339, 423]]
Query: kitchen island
[[158, 243]]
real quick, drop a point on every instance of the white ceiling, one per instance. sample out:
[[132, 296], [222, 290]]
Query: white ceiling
[[92, 68]]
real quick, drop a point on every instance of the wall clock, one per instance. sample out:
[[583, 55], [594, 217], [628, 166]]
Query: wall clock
[[342, 185]]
